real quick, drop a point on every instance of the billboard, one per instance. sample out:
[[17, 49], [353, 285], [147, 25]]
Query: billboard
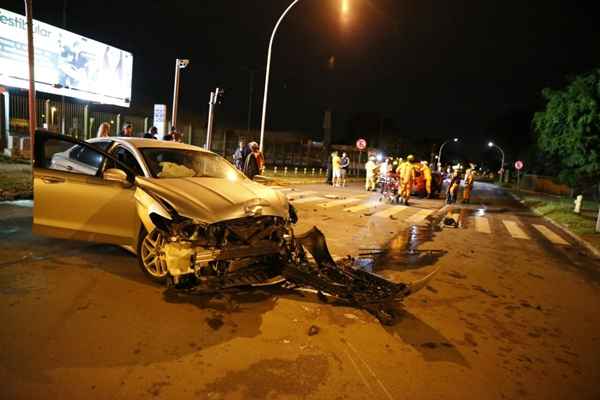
[[65, 63]]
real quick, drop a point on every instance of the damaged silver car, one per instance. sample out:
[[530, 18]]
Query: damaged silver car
[[194, 222]]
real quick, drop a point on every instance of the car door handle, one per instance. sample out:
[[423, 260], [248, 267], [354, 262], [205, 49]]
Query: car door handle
[[52, 179]]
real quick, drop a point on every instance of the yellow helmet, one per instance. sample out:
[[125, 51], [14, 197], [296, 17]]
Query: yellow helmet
[[410, 157]]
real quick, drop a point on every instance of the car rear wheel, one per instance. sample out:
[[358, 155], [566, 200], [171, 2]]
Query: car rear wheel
[[150, 259]]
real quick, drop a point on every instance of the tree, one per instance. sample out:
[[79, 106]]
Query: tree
[[568, 130]]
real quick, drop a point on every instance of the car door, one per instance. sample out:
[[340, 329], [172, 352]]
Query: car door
[[79, 203]]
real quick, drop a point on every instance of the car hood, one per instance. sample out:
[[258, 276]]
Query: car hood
[[210, 200]]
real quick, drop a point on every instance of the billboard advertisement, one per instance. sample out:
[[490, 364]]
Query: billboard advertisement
[[65, 63]]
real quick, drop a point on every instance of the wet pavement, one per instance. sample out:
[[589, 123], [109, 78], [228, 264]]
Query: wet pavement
[[511, 314]]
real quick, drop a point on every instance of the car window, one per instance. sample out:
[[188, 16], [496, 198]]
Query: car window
[[61, 155], [126, 157]]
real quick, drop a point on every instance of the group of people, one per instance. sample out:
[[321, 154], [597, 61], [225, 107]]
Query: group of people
[[337, 170], [454, 185], [249, 159], [127, 131]]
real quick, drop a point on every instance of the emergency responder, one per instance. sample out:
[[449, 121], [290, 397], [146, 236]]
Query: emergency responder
[[426, 171], [406, 172], [469, 181], [370, 168], [453, 186]]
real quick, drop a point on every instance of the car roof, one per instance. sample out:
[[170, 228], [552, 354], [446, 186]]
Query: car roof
[[141, 143]]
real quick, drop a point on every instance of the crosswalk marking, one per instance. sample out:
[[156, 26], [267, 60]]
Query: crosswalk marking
[[482, 225], [391, 211], [337, 203], [514, 230], [419, 216], [362, 207], [312, 199], [551, 236], [299, 195]]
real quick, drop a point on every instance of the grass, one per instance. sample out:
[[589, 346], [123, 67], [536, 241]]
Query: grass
[[560, 210], [15, 180]]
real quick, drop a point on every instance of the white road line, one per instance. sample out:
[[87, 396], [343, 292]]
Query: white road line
[[391, 211], [285, 189], [482, 225], [337, 203], [514, 230], [550, 235], [364, 206], [306, 200], [419, 216], [299, 195]]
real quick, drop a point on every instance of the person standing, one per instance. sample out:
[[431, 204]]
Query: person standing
[[406, 171], [344, 166], [370, 168], [453, 186], [127, 130], [252, 164], [469, 182], [171, 136], [104, 130], [336, 166], [426, 171], [151, 134], [238, 156]]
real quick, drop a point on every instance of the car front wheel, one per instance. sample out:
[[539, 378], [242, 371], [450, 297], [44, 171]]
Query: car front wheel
[[149, 255]]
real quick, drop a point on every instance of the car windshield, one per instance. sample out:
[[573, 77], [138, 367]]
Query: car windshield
[[179, 163]]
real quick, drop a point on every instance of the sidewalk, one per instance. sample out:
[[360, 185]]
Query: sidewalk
[[560, 210]]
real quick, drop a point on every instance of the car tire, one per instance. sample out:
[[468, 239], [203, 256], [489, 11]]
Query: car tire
[[151, 262]]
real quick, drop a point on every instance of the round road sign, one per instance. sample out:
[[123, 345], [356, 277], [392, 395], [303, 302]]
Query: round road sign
[[361, 144], [519, 165]]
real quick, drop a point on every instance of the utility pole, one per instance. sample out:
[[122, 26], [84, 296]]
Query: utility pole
[[179, 65], [32, 108], [214, 99]]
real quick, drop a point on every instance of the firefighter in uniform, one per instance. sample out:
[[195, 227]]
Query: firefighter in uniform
[[453, 186], [426, 171], [406, 171], [469, 181]]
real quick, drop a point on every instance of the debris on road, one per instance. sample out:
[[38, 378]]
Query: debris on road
[[313, 330]]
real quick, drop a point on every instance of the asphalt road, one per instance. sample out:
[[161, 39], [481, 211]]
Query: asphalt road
[[512, 314]]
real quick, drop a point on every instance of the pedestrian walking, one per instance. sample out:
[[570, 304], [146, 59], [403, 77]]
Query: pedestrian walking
[[127, 130], [370, 168], [406, 172], [336, 167], [104, 130], [151, 134], [239, 155], [344, 165], [254, 161]]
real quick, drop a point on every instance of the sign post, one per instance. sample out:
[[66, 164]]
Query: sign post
[[361, 145], [519, 166]]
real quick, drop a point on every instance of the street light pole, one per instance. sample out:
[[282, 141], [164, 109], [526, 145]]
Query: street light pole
[[30, 53], [439, 163], [268, 73], [179, 65], [492, 144]]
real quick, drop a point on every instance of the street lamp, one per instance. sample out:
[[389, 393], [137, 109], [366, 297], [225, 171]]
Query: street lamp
[[179, 65], [345, 9], [439, 157], [492, 144]]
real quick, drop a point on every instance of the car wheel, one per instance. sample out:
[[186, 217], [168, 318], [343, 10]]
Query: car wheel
[[149, 258]]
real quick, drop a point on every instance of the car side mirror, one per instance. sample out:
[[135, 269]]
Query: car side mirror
[[116, 175]]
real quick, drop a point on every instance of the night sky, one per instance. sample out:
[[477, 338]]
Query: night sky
[[422, 68]]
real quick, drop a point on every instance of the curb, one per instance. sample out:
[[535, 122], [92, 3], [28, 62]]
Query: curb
[[581, 241]]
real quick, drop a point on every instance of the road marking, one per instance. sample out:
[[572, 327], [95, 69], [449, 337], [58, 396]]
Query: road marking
[[285, 189], [299, 195], [363, 206], [551, 236], [337, 203], [418, 217], [389, 212], [482, 225], [514, 230], [306, 200]]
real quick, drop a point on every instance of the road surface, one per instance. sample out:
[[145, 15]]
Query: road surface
[[512, 314]]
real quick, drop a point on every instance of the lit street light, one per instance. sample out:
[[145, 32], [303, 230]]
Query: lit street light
[[492, 144], [439, 157], [345, 9]]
